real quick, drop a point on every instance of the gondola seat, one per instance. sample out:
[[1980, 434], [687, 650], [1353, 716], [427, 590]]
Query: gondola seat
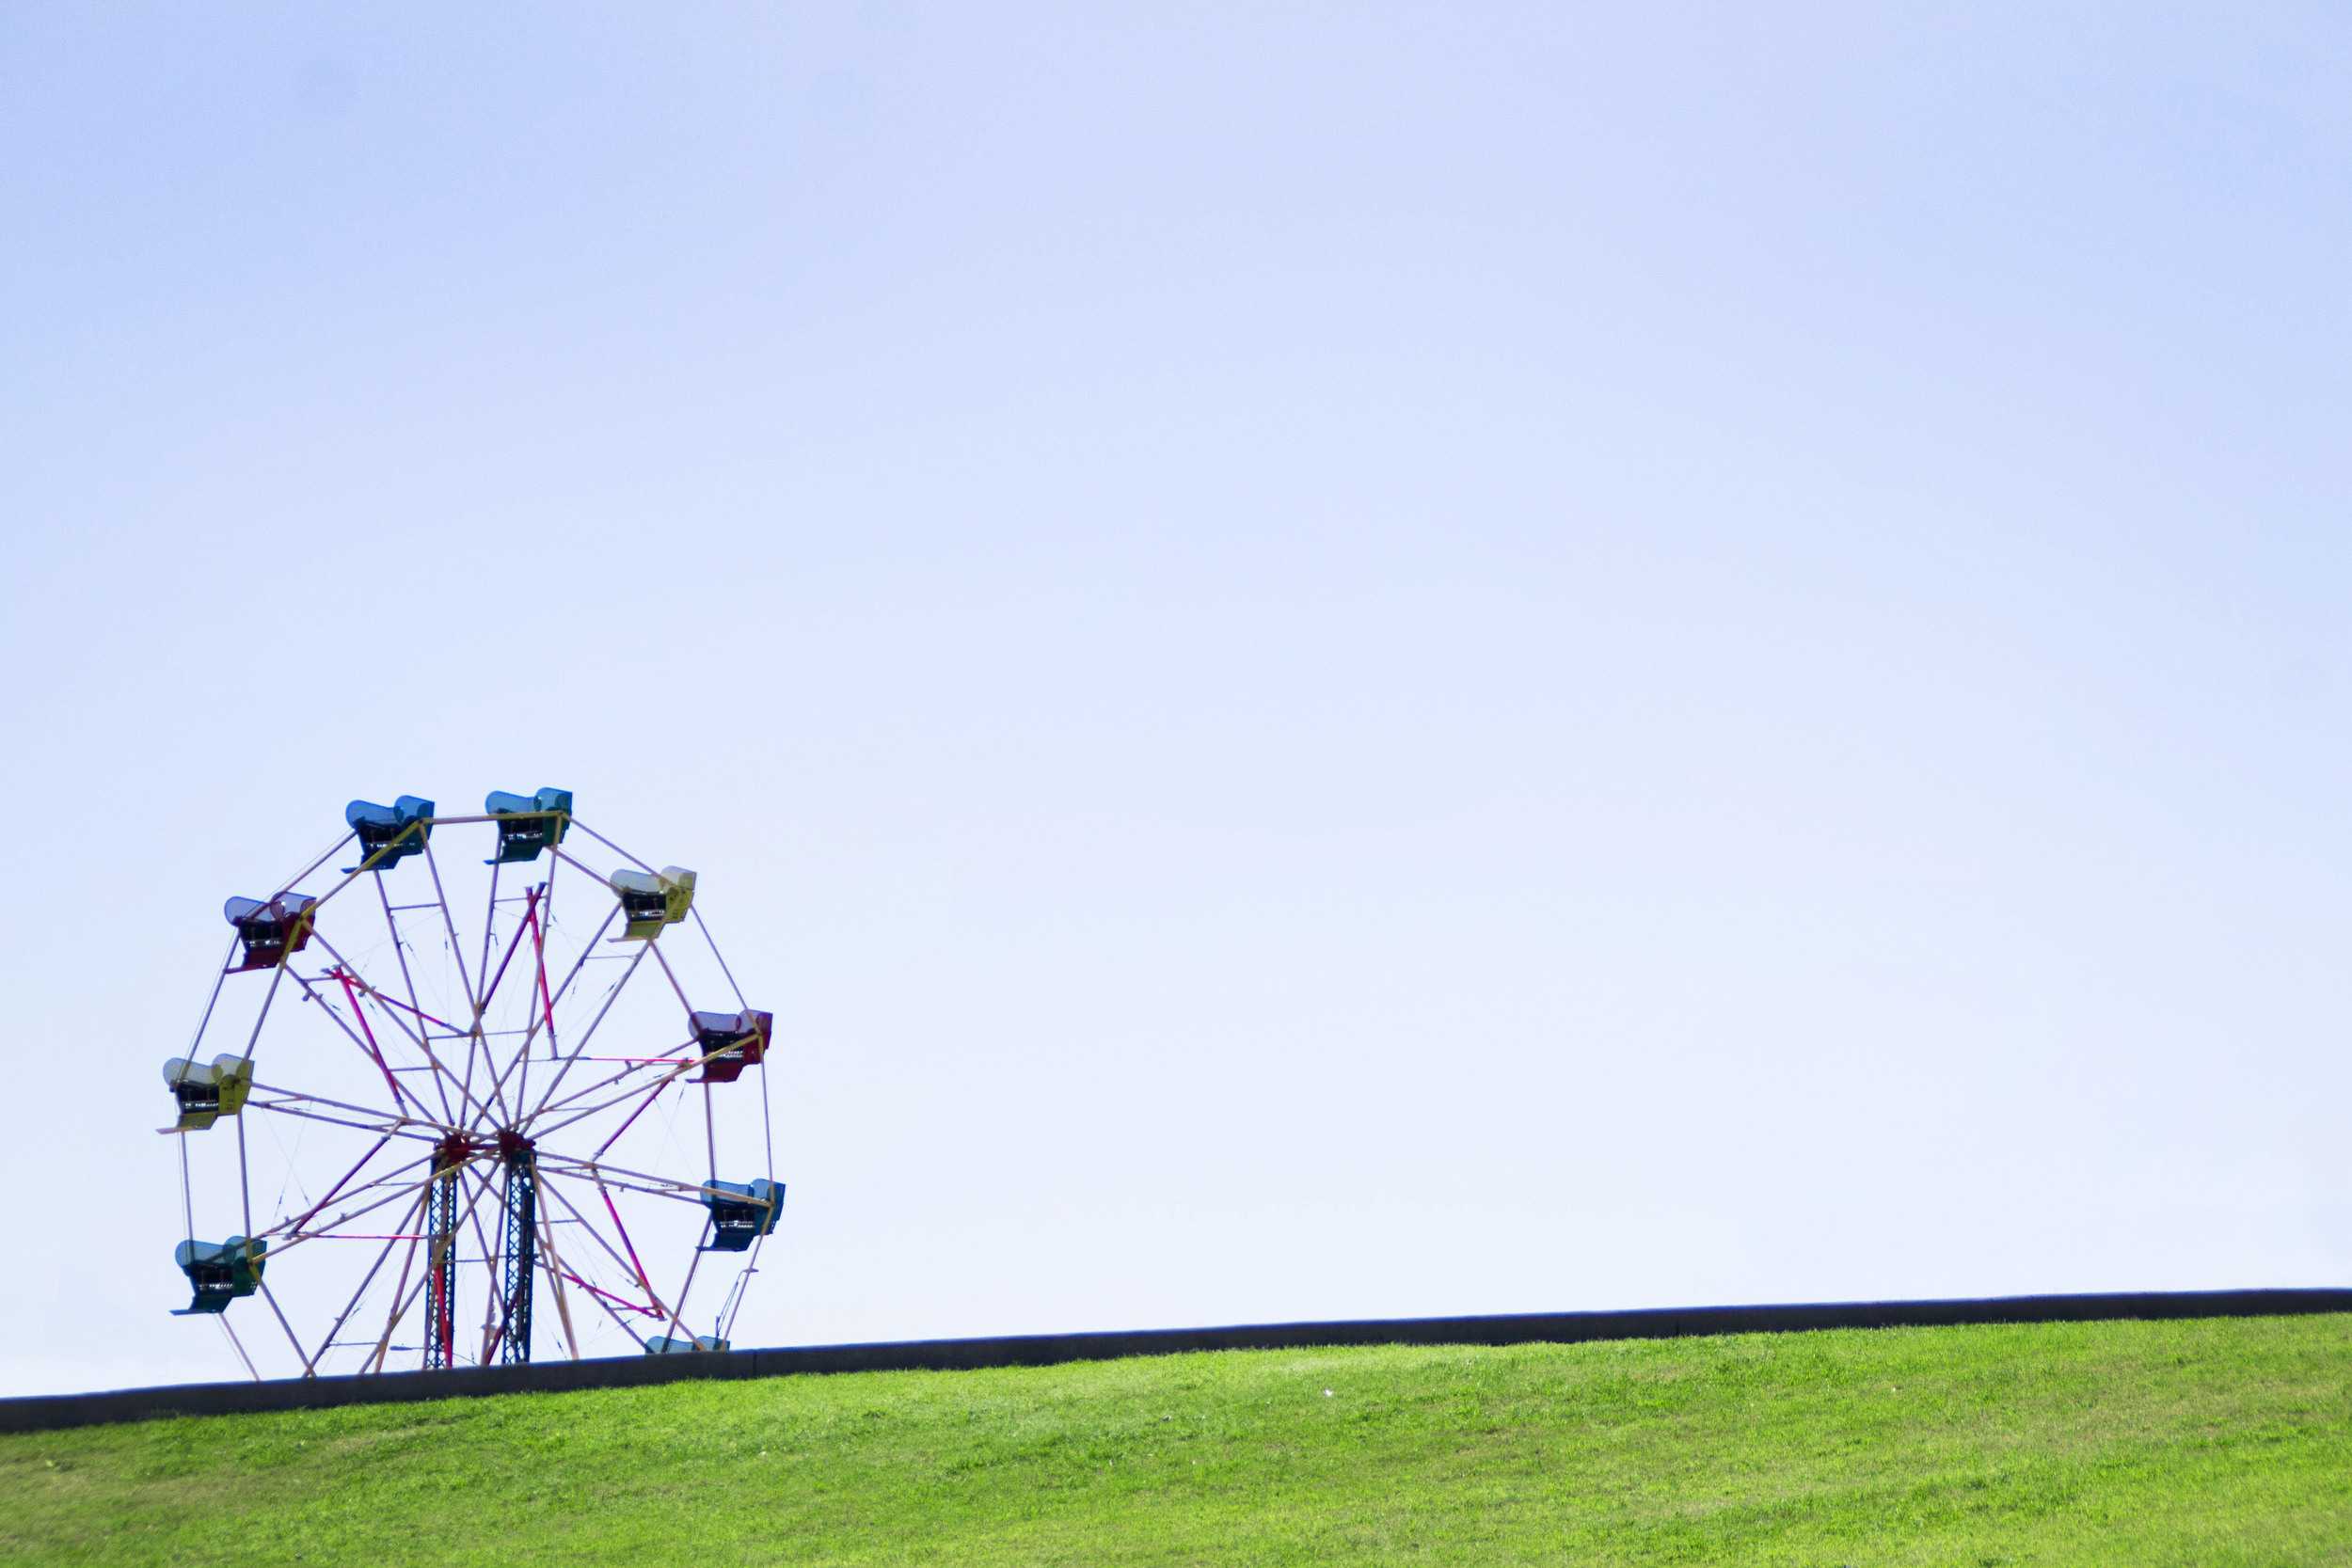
[[205, 1094], [219, 1272], [742, 1212], [729, 1042], [381, 831], [652, 899], [269, 931], [528, 823], [661, 1344]]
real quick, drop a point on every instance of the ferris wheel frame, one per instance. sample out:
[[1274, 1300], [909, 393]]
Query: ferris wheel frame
[[490, 1144]]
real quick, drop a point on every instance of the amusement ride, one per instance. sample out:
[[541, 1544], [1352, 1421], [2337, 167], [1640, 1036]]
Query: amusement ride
[[412, 1133]]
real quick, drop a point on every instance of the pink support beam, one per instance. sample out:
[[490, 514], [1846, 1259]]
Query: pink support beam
[[351, 994]]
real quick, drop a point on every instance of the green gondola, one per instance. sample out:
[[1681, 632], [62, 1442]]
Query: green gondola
[[219, 1272], [384, 831], [528, 823]]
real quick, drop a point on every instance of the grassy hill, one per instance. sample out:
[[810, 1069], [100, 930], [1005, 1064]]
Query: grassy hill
[[2208, 1442]]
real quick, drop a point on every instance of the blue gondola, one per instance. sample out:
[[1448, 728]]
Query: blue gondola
[[742, 1212], [528, 823], [380, 827]]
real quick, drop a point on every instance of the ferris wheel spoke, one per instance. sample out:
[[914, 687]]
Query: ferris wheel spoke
[[344, 966], [530, 903], [614, 1304], [677, 1066], [449, 922], [294, 1227], [295, 1224], [402, 1304], [457, 954], [532, 1033], [395, 1005], [641, 1181], [409, 1218], [400, 1129], [375, 1360], [680, 1194], [445, 1079], [546, 1001], [477, 1039], [630, 1263], [670, 1061], [610, 997], [328, 1231], [489, 930], [521, 1056], [481, 1007], [563, 991], [552, 1262], [366, 1045], [395, 1122], [348, 973], [407, 979], [606, 1299], [652, 1096], [400, 1309], [464, 1095], [376, 1052]]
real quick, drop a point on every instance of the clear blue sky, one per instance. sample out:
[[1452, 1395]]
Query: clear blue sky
[[1328, 659]]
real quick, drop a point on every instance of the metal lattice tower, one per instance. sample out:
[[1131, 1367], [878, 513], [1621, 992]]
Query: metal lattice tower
[[440, 1227], [518, 1233]]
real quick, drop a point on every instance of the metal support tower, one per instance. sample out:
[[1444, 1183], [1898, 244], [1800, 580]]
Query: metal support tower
[[518, 1239], [440, 1229]]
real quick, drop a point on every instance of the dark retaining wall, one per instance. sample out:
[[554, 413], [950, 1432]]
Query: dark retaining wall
[[44, 1411]]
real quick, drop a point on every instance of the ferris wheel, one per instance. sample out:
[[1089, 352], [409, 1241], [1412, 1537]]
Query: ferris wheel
[[431, 1120]]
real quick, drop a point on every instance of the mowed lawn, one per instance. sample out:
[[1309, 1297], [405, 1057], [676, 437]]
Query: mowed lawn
[[2115, 1444]]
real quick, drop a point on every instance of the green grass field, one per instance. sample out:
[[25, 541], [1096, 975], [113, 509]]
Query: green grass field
[[2132, 1444]]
